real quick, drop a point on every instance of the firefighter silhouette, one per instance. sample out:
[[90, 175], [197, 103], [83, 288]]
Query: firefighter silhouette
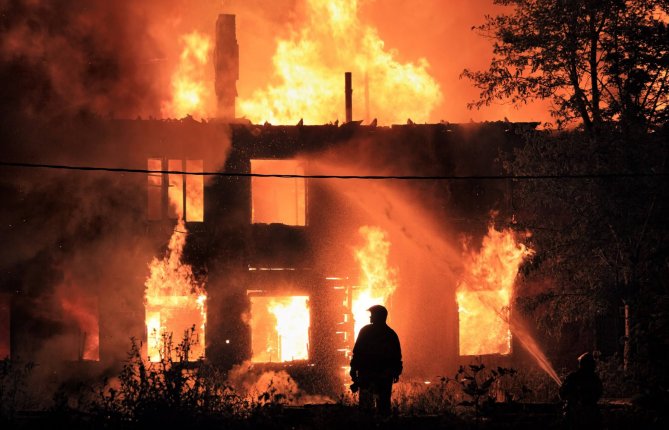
[[580, 391], [376, 363]]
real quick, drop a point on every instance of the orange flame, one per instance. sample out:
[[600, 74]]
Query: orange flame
[[484, 294], [310, 67], [377, 281], [175, 302], [280, 328], [190, 89]]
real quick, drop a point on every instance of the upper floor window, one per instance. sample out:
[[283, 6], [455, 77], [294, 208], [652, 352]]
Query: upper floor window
[[278, 200], [179, 195]]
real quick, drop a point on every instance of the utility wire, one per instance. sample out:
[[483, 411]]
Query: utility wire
[[365, 177]]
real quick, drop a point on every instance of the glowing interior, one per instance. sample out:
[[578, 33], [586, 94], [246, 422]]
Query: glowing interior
[[279, 328], [180, 187], [484, 326], [484, 293], [278, 200], [173, 318]]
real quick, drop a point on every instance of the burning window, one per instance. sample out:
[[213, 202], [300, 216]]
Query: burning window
[[484, 293], [278, 200], [184, 193], [279, 328], [175, 302], [169, 321], [81, 310]]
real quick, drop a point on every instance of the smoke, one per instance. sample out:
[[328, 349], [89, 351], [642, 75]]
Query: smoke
[[72, 239], [66, 57], [70, 68], [423, 246], [89, 225], [441, 31], [70, 64], [116, 58], [66, 64], [426, 246], [108, 58], [256, 384]]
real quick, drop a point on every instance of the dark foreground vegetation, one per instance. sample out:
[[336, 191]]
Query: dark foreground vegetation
[[178, 394], [595, 199]]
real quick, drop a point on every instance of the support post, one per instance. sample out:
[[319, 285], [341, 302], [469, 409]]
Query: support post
[[349, 96]]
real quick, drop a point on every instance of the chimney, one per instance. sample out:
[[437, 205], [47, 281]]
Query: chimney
[[366, 98], [226, 66], [349, 97]]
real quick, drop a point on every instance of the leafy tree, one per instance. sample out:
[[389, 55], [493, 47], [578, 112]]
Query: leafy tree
[[596, 60], [600, 241]]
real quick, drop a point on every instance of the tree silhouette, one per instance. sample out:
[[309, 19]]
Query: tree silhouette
[[599, 61]]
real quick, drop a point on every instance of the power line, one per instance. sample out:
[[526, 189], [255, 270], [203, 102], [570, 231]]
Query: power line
[[365, 177]]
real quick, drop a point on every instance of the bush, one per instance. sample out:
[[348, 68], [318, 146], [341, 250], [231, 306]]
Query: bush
[[176, 392]]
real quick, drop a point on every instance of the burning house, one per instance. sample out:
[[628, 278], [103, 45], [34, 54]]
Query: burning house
[[267, 242]]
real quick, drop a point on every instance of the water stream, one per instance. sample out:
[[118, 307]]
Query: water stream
[[528, 342]]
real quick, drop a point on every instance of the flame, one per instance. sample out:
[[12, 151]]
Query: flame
[[310, 67], [175, 301], [484, 294], [191, 94], [377, 281], [280, 328], [193, 192]]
